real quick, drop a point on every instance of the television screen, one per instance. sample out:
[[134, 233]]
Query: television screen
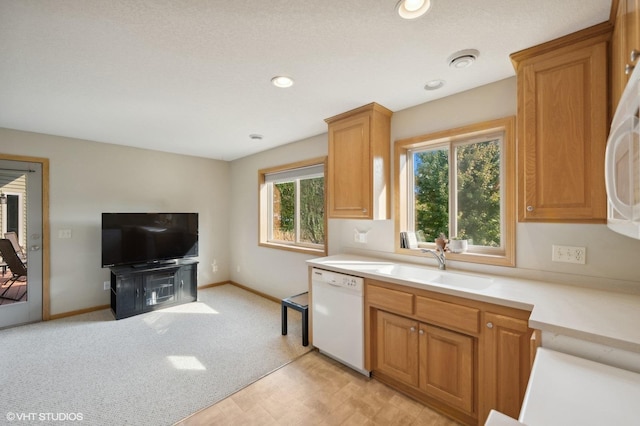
[[142, 238]]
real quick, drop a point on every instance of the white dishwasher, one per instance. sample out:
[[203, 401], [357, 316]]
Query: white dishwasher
[[338, 317]]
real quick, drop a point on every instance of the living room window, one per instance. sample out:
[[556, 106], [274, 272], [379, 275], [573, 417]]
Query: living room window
[[459, 183], [292, 207]]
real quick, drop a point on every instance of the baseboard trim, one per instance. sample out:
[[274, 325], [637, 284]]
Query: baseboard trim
[[249, 289], [99, 308], [218, 284], [78, 312]]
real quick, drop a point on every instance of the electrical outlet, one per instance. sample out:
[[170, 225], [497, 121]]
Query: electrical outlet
[[569, 254], [214, 267], [106, 285]]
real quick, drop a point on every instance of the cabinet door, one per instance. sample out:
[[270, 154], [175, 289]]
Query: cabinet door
[[562, 129], [187, 283], [396, 348], [618, 57], [127, 296], [625, 39], [349, 188], [631, 28], [446, 366], [160, 288], [505, 365]]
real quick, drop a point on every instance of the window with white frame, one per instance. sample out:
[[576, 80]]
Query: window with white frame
[[292, 207], [460, 183]]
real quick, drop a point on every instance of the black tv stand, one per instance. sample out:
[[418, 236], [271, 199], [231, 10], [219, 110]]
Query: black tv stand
[[153, 264], [142, 288]]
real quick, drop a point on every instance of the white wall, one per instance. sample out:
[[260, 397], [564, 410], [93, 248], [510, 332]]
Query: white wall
[[611, 258], [88, 178], [275, 272]]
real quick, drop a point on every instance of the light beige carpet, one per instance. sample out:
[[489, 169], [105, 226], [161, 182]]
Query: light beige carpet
[[151, 369]]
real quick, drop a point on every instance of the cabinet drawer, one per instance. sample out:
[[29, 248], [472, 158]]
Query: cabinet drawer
[[394, 300], [448, 314]]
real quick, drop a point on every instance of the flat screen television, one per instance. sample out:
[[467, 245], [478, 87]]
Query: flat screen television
[[141, 239]]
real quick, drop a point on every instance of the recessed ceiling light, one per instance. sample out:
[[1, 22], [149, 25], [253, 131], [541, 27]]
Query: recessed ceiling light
[[434, 84], [282, 81], [255, 137], [412, 9], [463, 59]]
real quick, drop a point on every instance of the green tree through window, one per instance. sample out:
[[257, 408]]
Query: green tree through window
[[292, 202], [476, 181]]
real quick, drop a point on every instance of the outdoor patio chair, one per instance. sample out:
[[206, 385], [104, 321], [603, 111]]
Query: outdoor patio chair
[[13, 237], [16, 266]]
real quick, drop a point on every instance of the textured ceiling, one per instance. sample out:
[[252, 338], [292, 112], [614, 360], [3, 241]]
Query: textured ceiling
[[193, 76]]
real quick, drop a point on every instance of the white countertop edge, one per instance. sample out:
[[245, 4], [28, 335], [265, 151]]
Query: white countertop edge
[[583, 313]]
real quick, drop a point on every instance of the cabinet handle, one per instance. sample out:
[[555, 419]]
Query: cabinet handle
[[634, 55], [137, 292], [181, 283], [364, 210], [529, 208], [412, 329], [628, 69], [421, 331], [489, 325]]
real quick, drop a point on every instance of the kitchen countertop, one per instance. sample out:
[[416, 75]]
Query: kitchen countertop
[[598, 316], [567, 390]]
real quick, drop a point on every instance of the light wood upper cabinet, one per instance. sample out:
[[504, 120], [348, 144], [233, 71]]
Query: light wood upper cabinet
[[625, 46], [358, 164], [562, 125]]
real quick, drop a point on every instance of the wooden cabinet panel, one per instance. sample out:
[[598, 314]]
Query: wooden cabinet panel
[[397, 301], [460, 356], [562, 128], [358, 163], [625, 40], [349, 193], [447, 314], [505, 365], [446, 366], [397, 347]]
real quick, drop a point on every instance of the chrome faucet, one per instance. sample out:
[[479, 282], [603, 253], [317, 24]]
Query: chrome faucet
[[438, 253]]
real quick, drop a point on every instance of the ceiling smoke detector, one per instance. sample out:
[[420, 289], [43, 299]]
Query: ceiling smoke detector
[[434, 84], [412, 9], [463, 58]]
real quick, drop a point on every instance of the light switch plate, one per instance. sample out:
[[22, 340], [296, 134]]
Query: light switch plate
[[64, 233]]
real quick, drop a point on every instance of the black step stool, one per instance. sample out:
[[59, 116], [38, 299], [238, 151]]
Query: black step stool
[[299, 302]]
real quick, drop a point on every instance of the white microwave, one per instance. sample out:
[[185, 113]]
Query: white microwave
[[622, 162]]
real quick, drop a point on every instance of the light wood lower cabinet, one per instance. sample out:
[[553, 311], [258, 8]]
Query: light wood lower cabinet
[[447, 366], [459, 356], [396, 352], [438, 361], [506, 349]]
